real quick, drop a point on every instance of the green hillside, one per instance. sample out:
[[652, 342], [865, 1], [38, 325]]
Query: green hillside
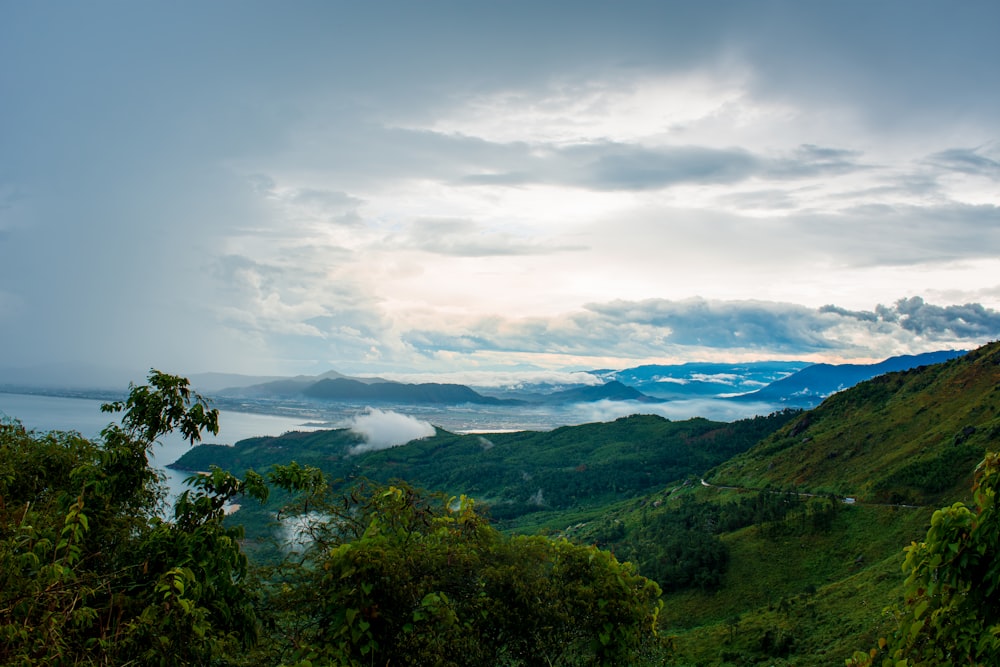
[[775, 541], [911, 437], [516, 474], [793, 555], [787, 552]]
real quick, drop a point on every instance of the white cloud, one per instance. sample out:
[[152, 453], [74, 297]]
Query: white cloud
[[382, 429], [714, 409], [607, 107], [291, 192]]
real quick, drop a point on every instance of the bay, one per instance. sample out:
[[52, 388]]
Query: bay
[[83, 415]]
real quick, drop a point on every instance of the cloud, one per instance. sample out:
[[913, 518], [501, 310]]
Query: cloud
[[283, 192], [815, 161], [973, 161], [382, 429], [714, 409], [716, 378], [634, 167], [701, 328], [464, 238], [722, 324], [971, 321]]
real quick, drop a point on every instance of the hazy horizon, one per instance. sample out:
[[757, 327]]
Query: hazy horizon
[[527, 189]]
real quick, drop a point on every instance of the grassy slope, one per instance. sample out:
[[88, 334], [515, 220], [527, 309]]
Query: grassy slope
[[913, 436], [518, 474], [798, 596], [802, 597], [824, 592]]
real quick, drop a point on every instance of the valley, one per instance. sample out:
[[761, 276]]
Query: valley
[[777, 540]]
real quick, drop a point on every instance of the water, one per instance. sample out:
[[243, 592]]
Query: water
[[53, 413], [50, 413]]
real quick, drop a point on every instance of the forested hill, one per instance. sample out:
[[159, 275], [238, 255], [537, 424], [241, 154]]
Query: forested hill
[[808, 387], [911, 436], [515, 473], [792, 550]]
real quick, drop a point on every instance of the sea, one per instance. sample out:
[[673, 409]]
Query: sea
[[83, 415], [41, 412]]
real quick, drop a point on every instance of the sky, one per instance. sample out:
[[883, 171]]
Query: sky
[[487, 190]]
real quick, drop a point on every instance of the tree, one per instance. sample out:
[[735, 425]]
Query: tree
[[952, 602], [397, 576], [89, 573]]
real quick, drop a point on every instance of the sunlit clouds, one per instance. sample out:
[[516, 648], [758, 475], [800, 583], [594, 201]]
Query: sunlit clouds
[[516, 190]]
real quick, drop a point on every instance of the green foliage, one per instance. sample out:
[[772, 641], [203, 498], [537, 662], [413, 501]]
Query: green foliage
[[910, 437], [680, 545], [929, 475], [515, 475], [90, 574], [164, 405], [395, 576], [760, 574], [952, 589]]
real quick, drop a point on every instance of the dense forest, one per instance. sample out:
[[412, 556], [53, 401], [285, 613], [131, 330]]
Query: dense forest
[[775, 541], [92, 575]]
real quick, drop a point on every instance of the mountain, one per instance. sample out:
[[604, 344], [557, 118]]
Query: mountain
[[609, 391], [701, 379], [335, 387], [284, 387], [790, 383], [789, 552], [907, 436], [516, 474], [786, 552], [344, 389], [809, 386]]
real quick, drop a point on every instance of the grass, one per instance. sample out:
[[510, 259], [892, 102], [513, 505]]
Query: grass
[[822, 594]]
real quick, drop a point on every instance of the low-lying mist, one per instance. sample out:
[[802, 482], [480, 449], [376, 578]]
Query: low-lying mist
[[382, 429], [709, 408]]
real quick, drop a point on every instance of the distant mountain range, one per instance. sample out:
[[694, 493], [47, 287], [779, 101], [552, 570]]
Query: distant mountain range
[[788, 383], [346, 389], [702, 379], [809, 509], [779, 383], [334, 387], [808, 387]]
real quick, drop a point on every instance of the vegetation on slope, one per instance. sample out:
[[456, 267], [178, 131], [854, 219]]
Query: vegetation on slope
[[515, 474], [804, 579], [911, 437], [790, 558], [90, 574], [951, 611]]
